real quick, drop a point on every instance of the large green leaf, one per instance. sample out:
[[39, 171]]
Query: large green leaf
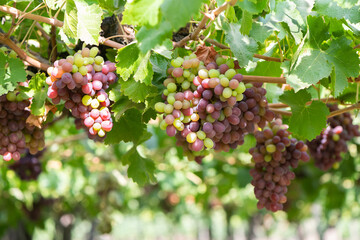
[[11, 73], [142, 12], [332, 9], [127, 60]]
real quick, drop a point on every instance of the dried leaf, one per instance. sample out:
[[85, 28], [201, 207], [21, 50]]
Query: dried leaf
[[206, 54]]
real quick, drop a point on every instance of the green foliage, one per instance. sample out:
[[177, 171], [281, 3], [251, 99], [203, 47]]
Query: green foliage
[[11, 73]]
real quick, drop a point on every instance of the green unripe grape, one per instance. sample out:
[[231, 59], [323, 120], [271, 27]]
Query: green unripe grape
[[241, 88], [170, 100], [91, 60], [186, 73], [230, 73], [168, 108], [180, 60], [208, 143], [159, 107], [267, 158], [191, 137], [222, 116], [185, 85], [12, 54], [213, 73], [97, 126], [186, 104], [180, 79], [336, 137], [180, 128], [171, 94], [239, 97], [224, 82], [19, 98], [181, 116], [75, 69], [222, 98], [163, 125], [95, 103], [93, 52], [27, 138], [248, 85], [79, 62], [220, 60], [230, 63], [209, 118], [177, 123], [234, 93], [86, 61], [192, 56], [271, 148], [186, 119], [99, 60], [11, 96], [83, 70], [166, 92], [171, 87], [86, 100], [227, 93], [203, 73], [201, 135], [101, 133], [192, 76], [176, 63], [70, 59]]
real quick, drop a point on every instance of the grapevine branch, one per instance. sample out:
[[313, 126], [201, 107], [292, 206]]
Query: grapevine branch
[[54, 22], [202, 25], [263, 79], [332, 114], [32, 61]]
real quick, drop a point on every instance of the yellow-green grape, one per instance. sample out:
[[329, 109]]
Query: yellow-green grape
[[186, 119], [336, 137], [19, 98], [86, 100], [186, 104], [27, 138], [230, 73], [101, 133], [166, 92], [222, 98], [176, 63], [12, 54], [97, 126], [86, 61], [171, 87], [159, 107], [220, 60], [101, 98], [267, 158], [208, 143], [227, 93], [185, 85], [186, 73], [170, 100], [78, 60], [192, 56], [168, 108], [239, 97], [180, 79], [163, 125], [209, 118], [224, 82], [180, 128], [90, 60], [99, 60], [191, 137], [234, 93], [271, 148], [201, 135], [248, 85], [97, 68], [83, 70], [75, 69], [241, 88], [213, 73], [93, 52], [70, 59], [181, 116], [11, 96], [95, 103], [203, 73], [230, 63], [222, 116]]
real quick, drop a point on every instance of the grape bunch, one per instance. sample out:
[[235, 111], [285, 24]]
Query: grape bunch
[[80, 81], [28, 167], [326, 148], [15, 134], [275, 152], [209, 106]]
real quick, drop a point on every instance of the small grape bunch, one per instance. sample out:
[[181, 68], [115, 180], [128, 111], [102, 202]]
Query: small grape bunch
[[275, 152], [80, 81], [15, 134], [209, 106]]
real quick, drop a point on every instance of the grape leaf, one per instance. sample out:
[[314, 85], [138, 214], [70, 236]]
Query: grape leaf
[[252, 6], [127, 60], [307, 121], [112, 5], [141, 170], [142, 12], [150, 37], [144, 72], [129, 128], [136, 91], [89, 22], [246, 23], [304, 7], [38, 85], [14, 73], [178, 13], [242, 46], [70, 19], [260, 32], [332, 9], [264, 68], [318, 31]]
